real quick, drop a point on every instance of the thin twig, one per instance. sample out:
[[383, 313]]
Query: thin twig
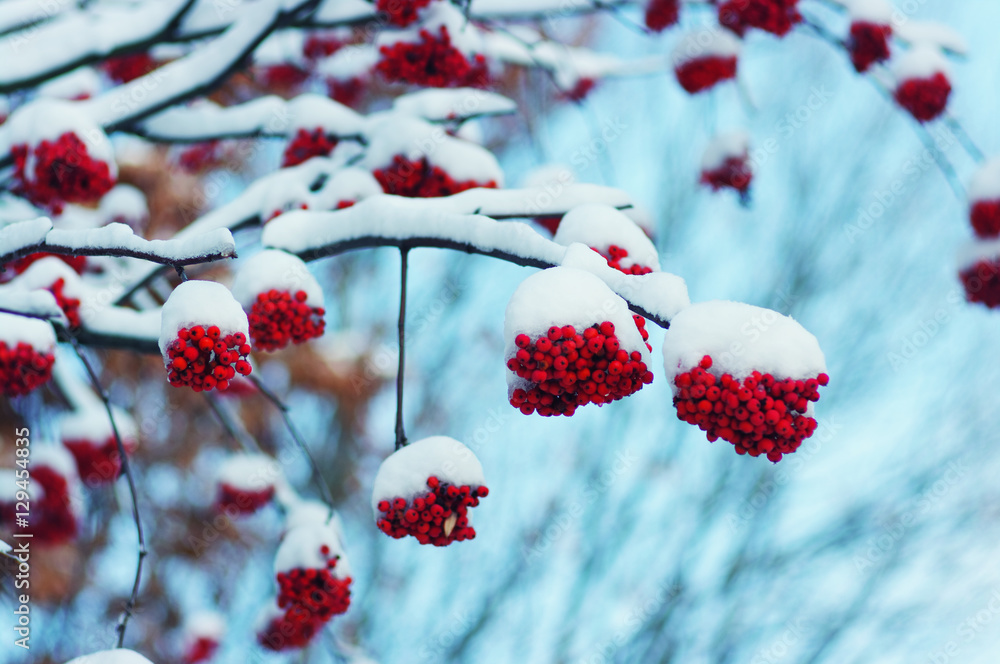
[[229, 426], [297, 437], [963, 136], [404, 253], [127, 469]]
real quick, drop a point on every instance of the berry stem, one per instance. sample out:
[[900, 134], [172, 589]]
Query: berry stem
[[127, 470], [324, 488], [404, 253]]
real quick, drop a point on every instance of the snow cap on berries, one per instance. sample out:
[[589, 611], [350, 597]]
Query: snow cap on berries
[[921, 61], [562, 296], [26, 354], [34, 332], [309, 513], [88, 435], [602, 227], [56, 515], [202, 633], [984, 199], [247, 482], [725, 162], [200, 303], [703, 58], [53, 274], [118, 656], [923, 78], [310, 546], [769, 342], [278, 270], [405, 472]]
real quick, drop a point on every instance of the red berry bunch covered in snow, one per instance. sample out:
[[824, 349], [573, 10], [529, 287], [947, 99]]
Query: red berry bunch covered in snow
[[245, 483], [661, 14], [283, 301], [558, 357], [88, 436], [774, 16], [60, 279], [923, 86], [984, 197], [869, 34], [319, 45], [200, 157], [726, 164], [612, 234], [981, 279], [401, 12], [306, 145], [703, 59], [61, 170], [202, 634], [425, 490], [314, 585], [203, 336], [54, 491], [26, 354], [125, 68], [746, 375], [421, 179], [118, 656]]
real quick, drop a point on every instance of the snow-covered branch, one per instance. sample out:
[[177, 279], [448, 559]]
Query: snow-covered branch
[[37, 236]]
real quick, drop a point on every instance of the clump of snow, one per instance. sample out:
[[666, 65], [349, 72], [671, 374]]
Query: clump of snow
[[59, 459], [278, 270], [204, 625], [404, 474], [549, 175], [346, 184], [705, 43], [725, 146], [44, 272], [349, 62], [974, 251], [563, 296], [396, 134], [309, 111], [921, 61], [437, 105], [871, 11], [124, 203], [200, 303], [92, 425], [302, 547], [48, 119], [36, 333], [465, 36], [121, 237], [249, 472], [119, 656], [22, 234], [311, 512], [985, 185], [600, 226], [40, 303], [282, 47], [292, 195], [932, 34], [741, 339], [77, 84]]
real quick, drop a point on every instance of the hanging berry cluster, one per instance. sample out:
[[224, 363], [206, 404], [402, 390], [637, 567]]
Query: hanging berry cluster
[[985, 218], [200, 157], [125, 68], [200, 650], [401, 12], [925, 98], [982, 282], [238, 500], [347, 91], [868, 43], [702, 73], [758, 415], [734, 173], [52, 519], [278, 317], [568, 369], [69, 305], [310, 598], [78, 263], [306, 145], [419, 179], [98, 462], [774, 16], [438, 517], [433, 62], [203, 359], [319, 45], [23, 368], [661, 14], [63, 172], [614, 256]]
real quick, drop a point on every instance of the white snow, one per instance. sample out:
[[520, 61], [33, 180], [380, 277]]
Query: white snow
[[563, 296], [312, 512], [282, 47], [249, 472], [5, 548], [9, 487], [119, 656], [705, 43], [77, 84], [879, 12], [119, 236], [355, 61], [741, 339], [22, 234], [36, 333], [404, 474], [974, 251], [41, 303], [394, 134], [204, 625], [275, 269], [309, 111], [200, 303], [124, 203], [55, 457], [91, 424], [600, 226], [436, 105], [933, 34], [985, 185], [301, 546], [921, 61], [346, 184], [728, 145]]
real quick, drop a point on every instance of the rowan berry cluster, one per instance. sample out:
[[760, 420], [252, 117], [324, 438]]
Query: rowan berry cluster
[[702, 73], [306, 145], [868, 43], [433, 62], [401, 12], [419, 179], [22, 369], [924, 98], [203, 359], [63, 172], [774, 16], [661, 14], [734, 173], [614, 256], [438, 517], [278, 317]]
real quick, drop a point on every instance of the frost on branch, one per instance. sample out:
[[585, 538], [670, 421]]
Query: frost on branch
[[923, 83], [984, 200], [203, 336], [26, 354], [744, 374], [202, 634], [245, 483], [774, 16], [613, 235], [442, 51], [314, 585], [283, 301], [726, 164], [60, 155], [569, 340], [425, 490], [88, 436], [705, 58], [869, 33], [119, 656]]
